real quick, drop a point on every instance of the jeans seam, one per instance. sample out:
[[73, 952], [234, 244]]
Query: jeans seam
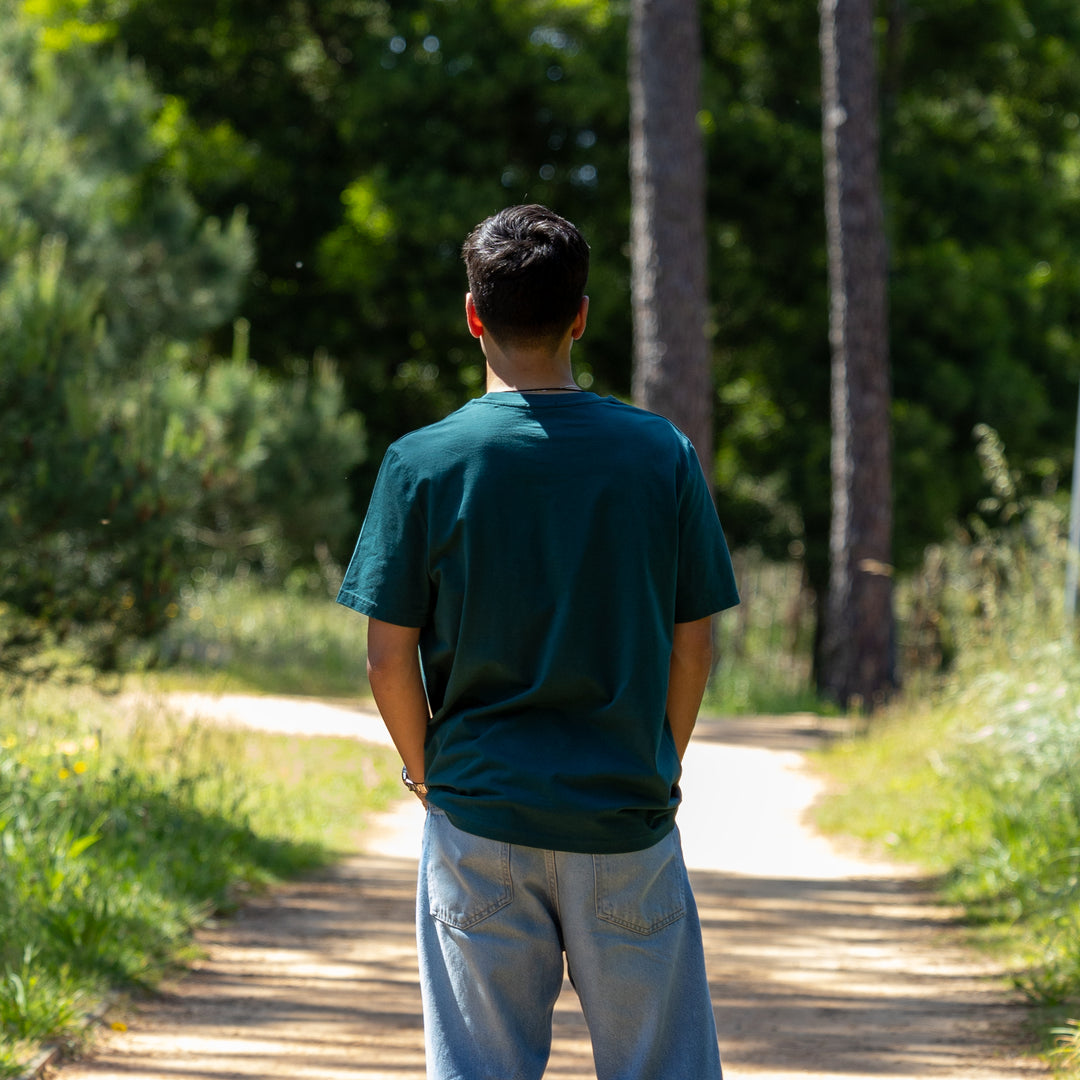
[[639, 928], [553, 883]]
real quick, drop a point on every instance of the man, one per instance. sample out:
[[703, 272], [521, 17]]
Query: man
[[539, 570]]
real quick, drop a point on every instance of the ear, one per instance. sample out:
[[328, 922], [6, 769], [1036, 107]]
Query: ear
[[476, 327], [577, 328]]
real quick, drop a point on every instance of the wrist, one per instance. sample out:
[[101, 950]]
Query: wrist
[[417, 787]]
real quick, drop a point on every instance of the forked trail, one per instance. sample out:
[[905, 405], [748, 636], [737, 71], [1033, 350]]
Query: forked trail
[[823, 966]]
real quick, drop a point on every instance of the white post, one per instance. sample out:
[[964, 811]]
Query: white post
[[1073, 554]]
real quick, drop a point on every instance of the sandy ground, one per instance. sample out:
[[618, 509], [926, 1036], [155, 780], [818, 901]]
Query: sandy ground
[[823, 965]]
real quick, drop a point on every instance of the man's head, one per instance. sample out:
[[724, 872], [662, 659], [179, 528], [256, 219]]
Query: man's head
[[527, 269]]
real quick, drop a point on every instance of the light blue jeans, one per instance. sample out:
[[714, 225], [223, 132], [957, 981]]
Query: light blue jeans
[[493, 922]]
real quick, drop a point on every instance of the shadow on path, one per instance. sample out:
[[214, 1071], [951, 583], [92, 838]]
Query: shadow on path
[[840, 973], [851, 978]]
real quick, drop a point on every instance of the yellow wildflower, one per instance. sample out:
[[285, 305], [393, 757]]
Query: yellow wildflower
[[7, 742], [79, 767], [64, 774]]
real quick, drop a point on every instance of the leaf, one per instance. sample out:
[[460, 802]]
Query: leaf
[[80, 845]]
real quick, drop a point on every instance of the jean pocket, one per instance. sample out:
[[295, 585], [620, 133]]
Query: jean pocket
[[642, 891], [468, 876]]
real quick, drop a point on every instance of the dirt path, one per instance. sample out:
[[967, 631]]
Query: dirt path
[[823, 966]]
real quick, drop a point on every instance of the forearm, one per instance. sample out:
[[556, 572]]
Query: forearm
[[691, 664], [398, 687]]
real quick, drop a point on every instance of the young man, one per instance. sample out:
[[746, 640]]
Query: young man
[[539, 570]]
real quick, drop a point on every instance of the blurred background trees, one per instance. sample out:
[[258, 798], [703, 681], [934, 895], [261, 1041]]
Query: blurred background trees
[[672, 372], [130, 454], [311, 169], [857, 651]]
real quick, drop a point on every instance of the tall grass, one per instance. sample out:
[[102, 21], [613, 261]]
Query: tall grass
[[764, 646], [291, 640], [121, 831], [978, 777]]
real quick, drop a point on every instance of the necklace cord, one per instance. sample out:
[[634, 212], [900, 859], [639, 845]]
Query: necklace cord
[[548, 389]]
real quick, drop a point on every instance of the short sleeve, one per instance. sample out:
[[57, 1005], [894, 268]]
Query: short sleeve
[[387, 576], [706, 581]]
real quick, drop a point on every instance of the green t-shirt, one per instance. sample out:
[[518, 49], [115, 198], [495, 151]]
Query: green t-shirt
[[545, 545]]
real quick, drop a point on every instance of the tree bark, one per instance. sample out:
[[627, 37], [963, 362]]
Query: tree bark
[[672, 371], [858, 655]]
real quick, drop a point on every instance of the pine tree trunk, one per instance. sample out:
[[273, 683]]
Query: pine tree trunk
[[858, 655], [672, 373]]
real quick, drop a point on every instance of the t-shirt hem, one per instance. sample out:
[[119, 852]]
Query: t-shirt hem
[[373, 609], [558, 841], [713, 607]]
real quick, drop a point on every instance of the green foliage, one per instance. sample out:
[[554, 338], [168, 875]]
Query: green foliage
[[80, 161], [271, 457], [979, 777], [1000, 575], [763, 647], [129, 455], [981, 154], [371, 137], [106, 266], [762, 129], [123, 829], [981, 786], [365, 138], [1067, 1044]]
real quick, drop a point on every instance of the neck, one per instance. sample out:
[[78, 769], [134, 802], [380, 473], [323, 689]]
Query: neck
[[528, 369], [523, 377], [524, 386]]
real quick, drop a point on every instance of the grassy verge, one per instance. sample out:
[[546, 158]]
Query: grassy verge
[[978, 780], [982, 788], [121, 831]]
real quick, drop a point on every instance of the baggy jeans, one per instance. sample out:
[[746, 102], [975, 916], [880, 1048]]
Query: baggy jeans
[[493, 923]]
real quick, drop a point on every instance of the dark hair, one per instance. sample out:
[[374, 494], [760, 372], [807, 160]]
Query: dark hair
[[527, 269]]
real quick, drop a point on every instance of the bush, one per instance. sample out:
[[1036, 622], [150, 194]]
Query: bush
[[130, 455], [1019, 772]]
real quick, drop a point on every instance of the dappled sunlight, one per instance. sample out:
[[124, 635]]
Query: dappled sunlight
[[309, 977], [822, 965], [851, 977]]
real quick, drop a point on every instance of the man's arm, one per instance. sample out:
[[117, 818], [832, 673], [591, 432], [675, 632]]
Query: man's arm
[[691, 663], [393, 666]]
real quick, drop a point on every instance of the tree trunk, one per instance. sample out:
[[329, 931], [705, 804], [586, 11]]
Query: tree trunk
[[858, 655], [672, 373]]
